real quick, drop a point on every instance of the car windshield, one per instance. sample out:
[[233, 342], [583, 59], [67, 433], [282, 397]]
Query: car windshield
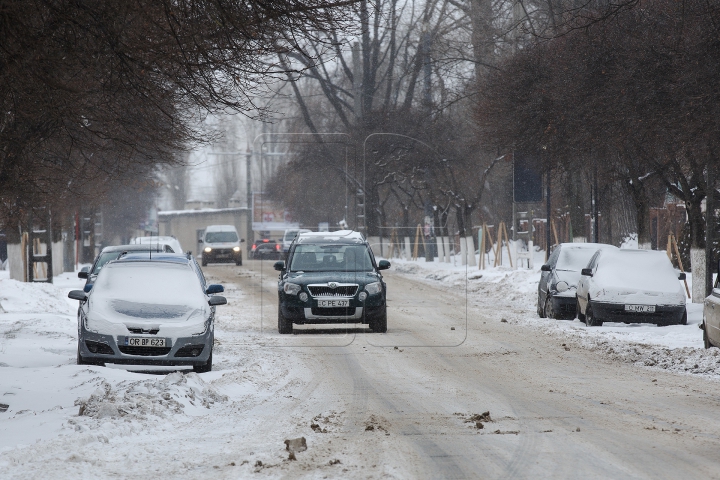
[[331, 258], [104, 258], [220, 237], [147, 283], [574, 259]]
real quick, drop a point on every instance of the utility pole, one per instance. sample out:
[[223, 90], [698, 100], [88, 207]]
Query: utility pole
[[709, 227], [548, 214]]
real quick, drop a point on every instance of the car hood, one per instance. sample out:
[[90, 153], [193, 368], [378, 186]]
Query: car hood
[[308, 278], [222, 245]]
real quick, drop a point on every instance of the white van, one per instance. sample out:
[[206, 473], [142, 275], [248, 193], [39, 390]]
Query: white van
[[221, 243], [289, 236]]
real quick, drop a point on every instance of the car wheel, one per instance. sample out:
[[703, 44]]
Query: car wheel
[[580, 315], [548, 310], [204, 367], [204, 261], [379, 325], [285, 326], [239, 261], [540, 309], [590, 319], [683, 320]]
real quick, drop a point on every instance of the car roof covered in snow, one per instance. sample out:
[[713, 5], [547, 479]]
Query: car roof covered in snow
[[644, 269], [340, 236], [220, 228], [144, 247], [155, 257]]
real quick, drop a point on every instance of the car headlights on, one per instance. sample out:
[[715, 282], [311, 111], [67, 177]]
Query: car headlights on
[[291, 288], [208, 249], [373, 288], [236, 249]]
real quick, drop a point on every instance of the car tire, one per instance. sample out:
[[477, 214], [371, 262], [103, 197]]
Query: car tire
[[204, 367], [239, 262], [379, 325], [580, 315], [204, 261], [285, 326], [547, 310], [590, 319], [540, 309], [683, 320]]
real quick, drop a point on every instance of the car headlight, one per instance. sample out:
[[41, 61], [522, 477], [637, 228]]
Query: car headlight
[[208, 249], [291, 288], [373, 288], [236, 249], [562, 286]]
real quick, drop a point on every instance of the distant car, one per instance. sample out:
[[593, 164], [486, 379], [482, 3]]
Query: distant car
[[162, 240], [631, 286], [265, 249], [221, 243], [289, 236], [108, 254], [559, 278], [331, 278], [148, 311]]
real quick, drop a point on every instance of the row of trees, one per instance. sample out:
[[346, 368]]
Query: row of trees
[[96, 94]]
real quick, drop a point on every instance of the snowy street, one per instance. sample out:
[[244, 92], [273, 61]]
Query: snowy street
[[488, 392]]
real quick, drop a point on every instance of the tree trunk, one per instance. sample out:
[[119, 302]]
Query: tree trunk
[[697, 250], [577, 210]]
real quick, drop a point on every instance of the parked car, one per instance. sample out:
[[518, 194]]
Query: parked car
[[162, 240], [108, 254], [331, 278], [265, 249], [559, 278], [221, 243], [148, 311], [289, 236], [711, 318], [631, 286]]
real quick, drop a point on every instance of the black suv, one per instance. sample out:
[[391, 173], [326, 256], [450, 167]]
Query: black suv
[[331, 278]]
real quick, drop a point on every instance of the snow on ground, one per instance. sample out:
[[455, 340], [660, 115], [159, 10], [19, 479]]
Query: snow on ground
[[512, 294]]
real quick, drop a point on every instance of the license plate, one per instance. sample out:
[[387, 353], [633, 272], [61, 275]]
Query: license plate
[[144, 342], [640, 308], [333, 303]]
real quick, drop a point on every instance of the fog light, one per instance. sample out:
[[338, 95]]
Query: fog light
[[92, 347], [208, 249], [303, 297], [362, 296], [195, 352], [236, 249]]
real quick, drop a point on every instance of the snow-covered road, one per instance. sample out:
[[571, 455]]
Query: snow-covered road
[[365, 408]]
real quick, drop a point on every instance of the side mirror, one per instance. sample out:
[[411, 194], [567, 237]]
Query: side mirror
[[87, 287], [279, 266], [77, 295], [383, 265], [242, 240], [83, 273], [586, 272], [214, 289], [546, 268], [217, 300], [189, 253], [682, 276]]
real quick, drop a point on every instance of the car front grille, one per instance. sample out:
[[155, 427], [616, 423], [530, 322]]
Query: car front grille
[[339, 291], [190, 351], [153, 331], [334, 312], [97, 347], [144, 351]]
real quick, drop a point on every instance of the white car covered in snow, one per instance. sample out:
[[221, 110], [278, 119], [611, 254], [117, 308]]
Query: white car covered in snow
[[631, 286]]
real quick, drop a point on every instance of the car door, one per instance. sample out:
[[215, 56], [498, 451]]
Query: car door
[[547, 277], [584, 284], [711, 312]]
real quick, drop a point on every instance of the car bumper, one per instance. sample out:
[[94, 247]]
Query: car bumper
[[615, 312], [565, 306], [222, 257], [308, 312], [109, 349]]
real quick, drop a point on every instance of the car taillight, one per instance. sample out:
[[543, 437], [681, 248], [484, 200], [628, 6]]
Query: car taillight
[[254, 246], [265, 240]]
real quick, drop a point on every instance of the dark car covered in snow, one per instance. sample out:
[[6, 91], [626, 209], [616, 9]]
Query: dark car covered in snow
[[331, 277]]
